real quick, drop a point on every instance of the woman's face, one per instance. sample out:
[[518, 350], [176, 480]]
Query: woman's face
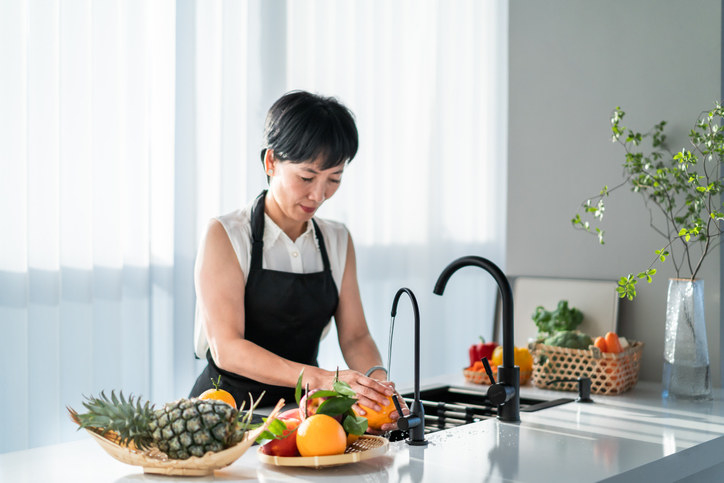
[[299, 189]]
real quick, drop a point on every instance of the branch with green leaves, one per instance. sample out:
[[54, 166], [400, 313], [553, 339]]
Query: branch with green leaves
[[683, 188]]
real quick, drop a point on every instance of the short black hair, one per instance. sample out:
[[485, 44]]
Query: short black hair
[[301, 126]]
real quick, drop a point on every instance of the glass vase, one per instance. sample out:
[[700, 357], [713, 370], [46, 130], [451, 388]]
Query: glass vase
[[686, 354]]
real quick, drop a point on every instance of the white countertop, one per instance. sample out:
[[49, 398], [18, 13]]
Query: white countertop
[[629, 437]]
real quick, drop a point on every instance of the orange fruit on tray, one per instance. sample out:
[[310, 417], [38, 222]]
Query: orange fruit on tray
[[375, 419], [218, 394], [321, 435]]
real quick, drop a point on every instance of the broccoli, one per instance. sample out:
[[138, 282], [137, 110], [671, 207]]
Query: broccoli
[[571, 339], [563, 318]]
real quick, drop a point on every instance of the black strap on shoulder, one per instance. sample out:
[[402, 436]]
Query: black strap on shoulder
[[257, 236], [322, 246], [257, 232]]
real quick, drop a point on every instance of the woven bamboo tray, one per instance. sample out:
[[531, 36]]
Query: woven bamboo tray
[[366, 447], [609, 373], [156, 462]]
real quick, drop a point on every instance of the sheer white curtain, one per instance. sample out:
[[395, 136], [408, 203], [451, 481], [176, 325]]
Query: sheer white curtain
[[86, 207], [126, 125], [427, 82]]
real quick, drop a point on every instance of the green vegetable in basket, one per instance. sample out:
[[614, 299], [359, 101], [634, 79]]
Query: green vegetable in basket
[[562, 318], [572, 339]]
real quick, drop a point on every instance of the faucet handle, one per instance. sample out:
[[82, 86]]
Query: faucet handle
[[397, 404], [488, 370], [405, 422]]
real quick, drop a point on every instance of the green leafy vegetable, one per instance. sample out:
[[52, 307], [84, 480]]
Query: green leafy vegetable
[[562, 318], [571, 339]]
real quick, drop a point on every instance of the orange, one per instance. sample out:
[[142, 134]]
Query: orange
[[375, 419], [351, 438], [219, 394], [321, 435]]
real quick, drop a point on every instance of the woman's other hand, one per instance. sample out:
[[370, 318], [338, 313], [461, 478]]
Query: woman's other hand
[[373, 397]]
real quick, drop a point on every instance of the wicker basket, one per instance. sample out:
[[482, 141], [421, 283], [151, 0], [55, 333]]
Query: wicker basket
[[481, 377], [610, 373]]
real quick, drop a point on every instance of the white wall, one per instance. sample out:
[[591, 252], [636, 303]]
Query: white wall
[[571, 63]]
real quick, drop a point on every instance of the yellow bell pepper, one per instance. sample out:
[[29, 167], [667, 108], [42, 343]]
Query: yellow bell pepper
[[522, 357]]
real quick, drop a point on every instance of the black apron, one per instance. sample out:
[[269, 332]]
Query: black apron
[[285, 313]]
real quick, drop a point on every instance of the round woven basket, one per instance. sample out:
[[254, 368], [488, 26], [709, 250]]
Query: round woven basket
[[481, 377]]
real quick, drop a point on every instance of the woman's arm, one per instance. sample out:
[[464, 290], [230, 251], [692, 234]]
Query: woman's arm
[[358, 347], [220, 285]]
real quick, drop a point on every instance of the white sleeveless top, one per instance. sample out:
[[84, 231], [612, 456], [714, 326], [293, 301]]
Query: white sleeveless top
[[280, 253]]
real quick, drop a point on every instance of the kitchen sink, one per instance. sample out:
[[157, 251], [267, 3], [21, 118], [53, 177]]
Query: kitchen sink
[[449, 406]]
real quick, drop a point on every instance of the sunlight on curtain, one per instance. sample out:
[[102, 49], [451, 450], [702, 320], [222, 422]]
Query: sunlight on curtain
[[427, 82], [126, 126], [86, 148]]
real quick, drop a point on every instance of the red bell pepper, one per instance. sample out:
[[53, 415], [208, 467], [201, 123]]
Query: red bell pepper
[[480, 350]]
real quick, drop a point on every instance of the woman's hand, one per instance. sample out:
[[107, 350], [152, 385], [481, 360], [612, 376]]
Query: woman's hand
[[377, 394], [394, 415], [370, 392]]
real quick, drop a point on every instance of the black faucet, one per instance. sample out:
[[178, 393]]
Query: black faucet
[[506, 392], [414, 424]]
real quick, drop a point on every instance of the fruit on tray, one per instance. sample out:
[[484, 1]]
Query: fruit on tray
[[181, 429], [321, 435], [286, 444], [313, 400], [376, 419], [320, 438], [218, 394]]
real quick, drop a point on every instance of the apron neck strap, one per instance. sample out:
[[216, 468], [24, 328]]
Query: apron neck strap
[[257, 235]]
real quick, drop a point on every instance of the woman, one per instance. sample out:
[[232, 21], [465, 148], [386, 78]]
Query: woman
[[269, 277]]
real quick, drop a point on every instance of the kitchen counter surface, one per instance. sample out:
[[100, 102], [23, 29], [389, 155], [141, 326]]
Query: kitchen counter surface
[[629, 437]]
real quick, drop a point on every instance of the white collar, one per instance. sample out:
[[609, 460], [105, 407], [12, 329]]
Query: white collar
[[272, 231]]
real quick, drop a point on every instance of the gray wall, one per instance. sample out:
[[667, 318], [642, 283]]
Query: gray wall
[[571, 63]]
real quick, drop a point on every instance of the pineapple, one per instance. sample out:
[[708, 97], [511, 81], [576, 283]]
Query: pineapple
[[181, 429]]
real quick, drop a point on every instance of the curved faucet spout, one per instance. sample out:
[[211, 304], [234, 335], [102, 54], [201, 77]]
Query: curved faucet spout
[[416, 312], [508, 373], [415, 423]]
